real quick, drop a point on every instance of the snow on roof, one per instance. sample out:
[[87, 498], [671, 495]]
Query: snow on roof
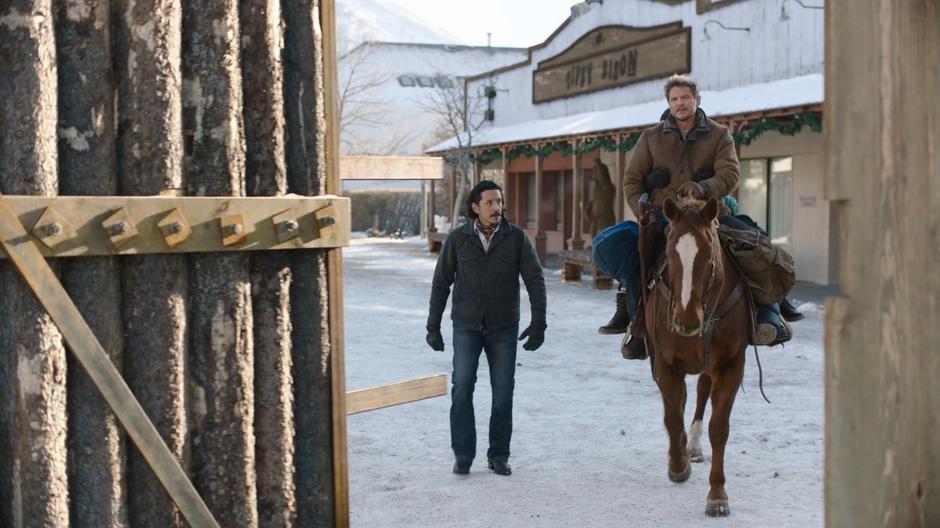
[[433, 59], [796, 91]]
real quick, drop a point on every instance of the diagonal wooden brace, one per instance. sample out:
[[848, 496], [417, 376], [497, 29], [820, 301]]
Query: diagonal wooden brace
[[22, 251]]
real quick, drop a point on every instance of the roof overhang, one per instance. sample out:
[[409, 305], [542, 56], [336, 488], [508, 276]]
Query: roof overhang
[[773, 99]]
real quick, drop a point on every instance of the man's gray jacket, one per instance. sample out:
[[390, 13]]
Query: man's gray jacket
[[486, 283]]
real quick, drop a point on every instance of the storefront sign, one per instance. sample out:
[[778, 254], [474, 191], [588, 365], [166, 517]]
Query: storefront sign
[[613, 56]]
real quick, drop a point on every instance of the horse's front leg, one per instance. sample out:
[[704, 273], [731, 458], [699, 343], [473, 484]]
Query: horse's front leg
[[672, 389], [703, 391], [724, 389]]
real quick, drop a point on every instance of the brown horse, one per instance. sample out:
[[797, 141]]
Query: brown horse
[[697, 322]]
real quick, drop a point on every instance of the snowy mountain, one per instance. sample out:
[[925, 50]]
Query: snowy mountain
[[379, 20]]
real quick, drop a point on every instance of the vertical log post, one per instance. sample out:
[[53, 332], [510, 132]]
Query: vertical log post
[[221, 337], [154, 287], [97, 454], [34, 485], [305, 109], [266, 175]]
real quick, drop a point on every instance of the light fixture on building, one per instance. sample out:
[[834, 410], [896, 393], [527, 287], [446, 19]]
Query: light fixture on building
[[722, 26], [783, 8], [490, 92]]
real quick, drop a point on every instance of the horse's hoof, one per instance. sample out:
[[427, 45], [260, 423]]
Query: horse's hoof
[[696, 457], [717, 509], [681, 476]]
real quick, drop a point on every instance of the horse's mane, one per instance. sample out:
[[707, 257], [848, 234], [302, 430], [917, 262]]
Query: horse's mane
[[690, 208]]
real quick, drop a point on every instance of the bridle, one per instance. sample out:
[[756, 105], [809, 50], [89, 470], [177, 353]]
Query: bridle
[[714, 310]]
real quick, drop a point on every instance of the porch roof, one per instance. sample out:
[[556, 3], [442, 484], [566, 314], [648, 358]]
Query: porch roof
[[794, 92]]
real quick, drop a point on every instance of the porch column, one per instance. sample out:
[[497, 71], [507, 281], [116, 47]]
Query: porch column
[[453, 195], [505, 177], [477, 171], [539, 214], [577, 207], [431, 211], [617, 179]]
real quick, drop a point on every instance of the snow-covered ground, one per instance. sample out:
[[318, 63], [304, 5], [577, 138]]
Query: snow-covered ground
[[589, 447]]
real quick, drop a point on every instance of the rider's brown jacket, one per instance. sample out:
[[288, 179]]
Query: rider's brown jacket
[[708, 146]]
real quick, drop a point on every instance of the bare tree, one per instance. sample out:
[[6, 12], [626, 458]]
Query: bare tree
[[363, 108], [459, 115]]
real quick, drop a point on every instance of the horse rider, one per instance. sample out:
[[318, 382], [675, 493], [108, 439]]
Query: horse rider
[[483, 260], [685, 154]]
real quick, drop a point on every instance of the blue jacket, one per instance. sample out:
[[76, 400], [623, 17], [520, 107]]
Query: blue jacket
[[486, 283]]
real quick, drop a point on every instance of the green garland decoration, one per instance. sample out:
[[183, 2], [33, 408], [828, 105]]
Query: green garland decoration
[[788, 128], [813, 120]]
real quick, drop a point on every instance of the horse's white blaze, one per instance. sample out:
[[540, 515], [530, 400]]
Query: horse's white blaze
[[695, 437], [687, 249]]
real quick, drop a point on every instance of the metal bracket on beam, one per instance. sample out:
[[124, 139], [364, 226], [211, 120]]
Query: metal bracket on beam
[[74, 226]]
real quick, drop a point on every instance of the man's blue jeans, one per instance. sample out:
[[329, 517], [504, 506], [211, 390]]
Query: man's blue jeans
[[500, 348]]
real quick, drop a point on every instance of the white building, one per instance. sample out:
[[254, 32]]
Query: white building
[[387, 87], [596, 82]]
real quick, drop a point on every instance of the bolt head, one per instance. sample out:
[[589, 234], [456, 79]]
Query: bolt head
[[291, 225], [52, 229], [119, 228], [175, 228], [327, 221]]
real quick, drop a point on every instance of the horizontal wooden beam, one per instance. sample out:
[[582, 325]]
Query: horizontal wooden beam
[[75, 226], [362, 400], [391, 168]]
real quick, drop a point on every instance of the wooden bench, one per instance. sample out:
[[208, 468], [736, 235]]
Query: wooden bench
[[573, 261], [436, 241]]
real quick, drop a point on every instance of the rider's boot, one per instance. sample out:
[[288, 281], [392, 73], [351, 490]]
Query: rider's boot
[[621, 320], [789, 312], [772, 329], [633, 345]]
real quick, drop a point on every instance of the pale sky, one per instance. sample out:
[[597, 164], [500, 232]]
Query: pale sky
[[516, 23]]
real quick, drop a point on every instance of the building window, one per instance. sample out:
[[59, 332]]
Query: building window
[[444, 82], [406, 80], [765, 195], [425, 82]]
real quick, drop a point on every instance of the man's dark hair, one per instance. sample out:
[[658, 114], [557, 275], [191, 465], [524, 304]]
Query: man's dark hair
[[680, 80], [477, 193]]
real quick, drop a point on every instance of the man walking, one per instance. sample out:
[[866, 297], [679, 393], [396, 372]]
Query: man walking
[[483, 260]]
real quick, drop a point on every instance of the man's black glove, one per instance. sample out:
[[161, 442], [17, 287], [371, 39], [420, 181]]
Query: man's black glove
[[702, 175], [434, 338], [657, 178], [536, 335]]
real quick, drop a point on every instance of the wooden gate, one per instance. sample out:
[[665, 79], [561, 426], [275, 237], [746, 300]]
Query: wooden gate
[[236, 357]]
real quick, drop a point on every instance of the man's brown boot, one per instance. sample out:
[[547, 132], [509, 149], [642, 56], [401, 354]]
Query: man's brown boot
[[633, 347]]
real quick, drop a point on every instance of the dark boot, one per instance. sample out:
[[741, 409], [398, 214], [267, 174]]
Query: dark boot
[[621, 320], [772, 329], [789, 312], [633, 345]]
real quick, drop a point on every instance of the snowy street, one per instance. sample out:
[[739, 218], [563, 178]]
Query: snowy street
[[589, 447]]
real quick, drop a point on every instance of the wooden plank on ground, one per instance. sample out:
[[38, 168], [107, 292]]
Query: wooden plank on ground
[[362, 400]]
